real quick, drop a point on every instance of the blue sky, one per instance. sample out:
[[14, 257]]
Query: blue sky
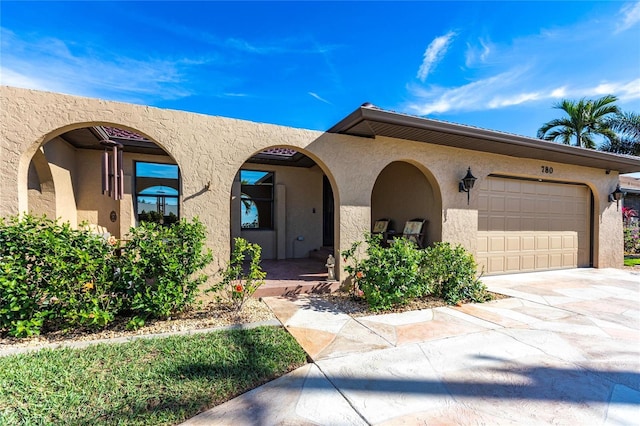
[[497, 65]]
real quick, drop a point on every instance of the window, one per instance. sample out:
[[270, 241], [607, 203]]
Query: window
[[256, 199], [157, 192]]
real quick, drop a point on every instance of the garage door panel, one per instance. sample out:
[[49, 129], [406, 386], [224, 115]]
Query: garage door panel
[[528, 205], [496, 223], [542, 261], [528, 262], [497, 185], [513, 224], [513, 264], [496, 204], [555, 260], [528, 225], [512, 205], [557, 208], [569, 242], [541, 224], [513, 186], [555, 242], [496, 244], [568, 259], [483, 223], [483, 203], [528, 242], [496, 264], [513, 243], [542, 242]]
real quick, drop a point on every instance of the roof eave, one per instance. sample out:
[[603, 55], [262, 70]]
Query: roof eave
[[528, 146]]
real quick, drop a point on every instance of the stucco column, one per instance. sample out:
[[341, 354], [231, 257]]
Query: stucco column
[[236, 219], [609, 252], [281, 222]]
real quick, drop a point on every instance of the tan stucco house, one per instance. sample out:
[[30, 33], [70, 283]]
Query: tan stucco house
[[535, 205]]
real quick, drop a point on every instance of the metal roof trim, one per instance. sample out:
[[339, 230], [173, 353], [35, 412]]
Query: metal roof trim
[[625, 164]]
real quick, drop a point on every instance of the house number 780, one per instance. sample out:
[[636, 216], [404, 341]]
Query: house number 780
[[547, 169]]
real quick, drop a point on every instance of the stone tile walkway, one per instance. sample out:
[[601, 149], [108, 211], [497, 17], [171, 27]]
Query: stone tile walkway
[[565, 349]]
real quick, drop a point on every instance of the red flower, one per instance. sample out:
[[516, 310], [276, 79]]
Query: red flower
[[239, 288], [359, 274]]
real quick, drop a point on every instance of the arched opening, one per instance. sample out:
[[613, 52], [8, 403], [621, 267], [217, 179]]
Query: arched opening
[[402, 192], [41, 188], [283, 200], [67, 175]]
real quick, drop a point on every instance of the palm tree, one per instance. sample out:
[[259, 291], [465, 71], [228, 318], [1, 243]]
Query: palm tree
[[586, 119], [627, 126]]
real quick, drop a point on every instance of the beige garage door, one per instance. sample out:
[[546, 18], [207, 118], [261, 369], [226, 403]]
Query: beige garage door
[[532, 226]]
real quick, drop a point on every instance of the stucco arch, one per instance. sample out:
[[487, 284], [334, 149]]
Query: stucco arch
[[305, 210], [75, 173], [38, 142], [41, 187], [404, 190]]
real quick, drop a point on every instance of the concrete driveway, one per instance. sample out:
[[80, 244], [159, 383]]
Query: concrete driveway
[[564, 349]]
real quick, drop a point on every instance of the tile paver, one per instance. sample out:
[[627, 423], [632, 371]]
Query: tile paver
[[564, 350]]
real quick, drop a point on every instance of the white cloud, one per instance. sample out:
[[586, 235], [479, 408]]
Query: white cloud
[[536, 69], [434, 54], [623, 90], [515, 99], [235, 95], [9, 77], [472, 96], [560, 92], [315, 95], [50, 64], [630, 16], [504, 90], [479, 53]]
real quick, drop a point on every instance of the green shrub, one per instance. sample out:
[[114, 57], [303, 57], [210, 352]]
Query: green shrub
[[387, 277], [243, 275], [54, 276], [51, 273], [158, 268], [393, 276], [451, 274], [631, 239]]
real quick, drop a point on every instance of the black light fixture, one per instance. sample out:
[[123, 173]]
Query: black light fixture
[[467, 183], [616, 196]]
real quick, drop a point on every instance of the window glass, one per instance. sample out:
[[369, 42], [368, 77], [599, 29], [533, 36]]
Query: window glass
[[157, 193], [256, 199]]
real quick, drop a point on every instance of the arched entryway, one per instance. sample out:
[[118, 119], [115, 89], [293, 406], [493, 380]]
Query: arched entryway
[[283, 199], [403, 192], [67, 175]]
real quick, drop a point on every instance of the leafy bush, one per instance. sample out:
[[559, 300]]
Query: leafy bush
[[54, 276], [158, 265], [389, 277], [632, 239], [154, 216], [451, 274], [243, 275], [49, 273]]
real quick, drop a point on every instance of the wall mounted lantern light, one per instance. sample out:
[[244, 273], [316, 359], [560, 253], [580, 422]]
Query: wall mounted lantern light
[[616, 196], [467, 183]]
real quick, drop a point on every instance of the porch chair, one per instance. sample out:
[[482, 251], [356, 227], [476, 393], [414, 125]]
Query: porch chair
[[415, 230], [381, 227]]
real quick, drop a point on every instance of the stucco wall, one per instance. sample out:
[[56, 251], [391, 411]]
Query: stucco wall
[[302, 211], [212, 149], [41, 189], [401, 193]]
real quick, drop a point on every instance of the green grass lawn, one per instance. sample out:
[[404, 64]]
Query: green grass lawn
[[159, 381], [631, 261]]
